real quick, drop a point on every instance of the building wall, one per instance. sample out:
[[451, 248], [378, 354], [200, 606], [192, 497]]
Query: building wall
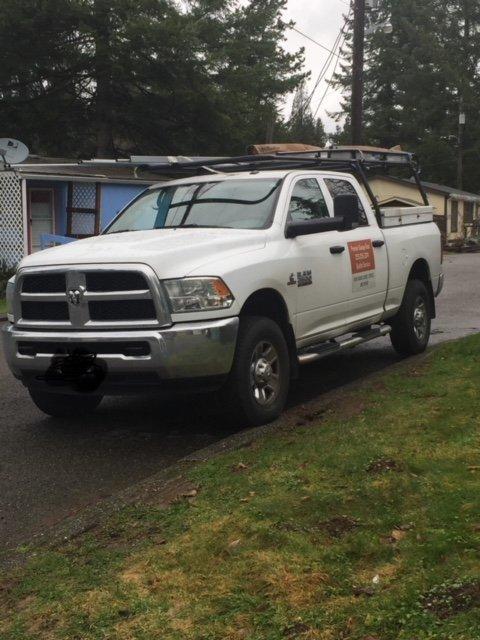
[[386, 189], [442, 204], [114, 198]]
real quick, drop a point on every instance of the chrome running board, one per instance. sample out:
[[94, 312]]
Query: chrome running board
[[314, 353]]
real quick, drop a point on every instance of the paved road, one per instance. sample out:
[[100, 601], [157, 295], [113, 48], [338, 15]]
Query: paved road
[[50, 469]]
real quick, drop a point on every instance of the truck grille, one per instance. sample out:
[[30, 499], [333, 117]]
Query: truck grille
[[122, 310], [45, 282], [87, 297], [115, 281], [56, 311]]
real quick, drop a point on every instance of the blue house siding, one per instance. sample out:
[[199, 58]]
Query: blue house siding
[[114, 197]]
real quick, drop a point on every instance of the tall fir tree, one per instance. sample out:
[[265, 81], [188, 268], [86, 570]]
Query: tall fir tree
[[417, 79], [302, 126], [112, 77]]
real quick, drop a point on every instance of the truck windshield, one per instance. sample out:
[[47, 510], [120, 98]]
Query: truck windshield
[[234, 204]]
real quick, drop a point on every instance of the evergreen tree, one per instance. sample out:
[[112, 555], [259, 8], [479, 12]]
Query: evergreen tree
[[418, 77], [302, 126], [112, 77]]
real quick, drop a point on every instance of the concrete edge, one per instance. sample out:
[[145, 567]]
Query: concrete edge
[[161, 484]]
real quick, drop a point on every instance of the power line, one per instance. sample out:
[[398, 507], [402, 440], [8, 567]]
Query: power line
[[315, 41], [321, 76], [332, 76], [328, 83], [337, 46]]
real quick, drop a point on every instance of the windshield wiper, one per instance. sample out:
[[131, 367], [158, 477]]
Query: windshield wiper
[[196, 226], [181, 226], [109, 233]]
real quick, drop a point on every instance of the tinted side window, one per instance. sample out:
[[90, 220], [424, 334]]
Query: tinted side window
[[307, 202], [339, 187]]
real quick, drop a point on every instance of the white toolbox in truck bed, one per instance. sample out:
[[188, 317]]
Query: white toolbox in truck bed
[[401, 216]]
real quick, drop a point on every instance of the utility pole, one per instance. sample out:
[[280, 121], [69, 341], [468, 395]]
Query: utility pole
[[357, 70], [461, 135], [462, 118]]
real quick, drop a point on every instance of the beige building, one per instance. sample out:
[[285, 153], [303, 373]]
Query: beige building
[[457, 213]]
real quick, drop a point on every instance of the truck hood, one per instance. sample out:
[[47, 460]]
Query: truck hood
[[172, 253]]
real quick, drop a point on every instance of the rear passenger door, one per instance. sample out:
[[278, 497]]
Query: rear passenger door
[[365, 260]]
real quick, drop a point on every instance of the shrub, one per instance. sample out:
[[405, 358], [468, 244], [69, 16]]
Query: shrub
[[6, 273]]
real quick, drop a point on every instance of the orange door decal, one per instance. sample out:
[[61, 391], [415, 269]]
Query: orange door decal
[[362, 260]]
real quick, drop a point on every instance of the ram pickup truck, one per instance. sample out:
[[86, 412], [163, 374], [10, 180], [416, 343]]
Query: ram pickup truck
[[226, 278]]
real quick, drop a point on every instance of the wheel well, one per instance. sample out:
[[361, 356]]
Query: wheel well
[[421, 271], [270, 304]]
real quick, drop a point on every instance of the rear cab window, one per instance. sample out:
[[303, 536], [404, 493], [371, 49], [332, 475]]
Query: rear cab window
[[342, 187]]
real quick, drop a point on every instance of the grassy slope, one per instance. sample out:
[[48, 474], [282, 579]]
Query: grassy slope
[[3, 305], [347, 528]]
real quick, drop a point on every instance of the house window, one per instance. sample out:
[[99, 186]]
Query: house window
[[468, 213], [83, 209], [454, 217]]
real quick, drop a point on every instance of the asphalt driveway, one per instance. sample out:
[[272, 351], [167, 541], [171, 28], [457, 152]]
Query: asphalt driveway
[[52, 469]]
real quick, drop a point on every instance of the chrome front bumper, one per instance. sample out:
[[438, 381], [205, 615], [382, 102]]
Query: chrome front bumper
[[194, 350]]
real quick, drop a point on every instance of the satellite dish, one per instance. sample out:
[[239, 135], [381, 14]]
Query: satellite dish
[[12, 151]]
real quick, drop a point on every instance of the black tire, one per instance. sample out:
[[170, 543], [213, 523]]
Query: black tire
[[59, 405], [411, 326], [257, 387]]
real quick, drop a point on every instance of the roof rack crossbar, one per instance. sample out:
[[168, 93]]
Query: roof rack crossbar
[[278, 161]]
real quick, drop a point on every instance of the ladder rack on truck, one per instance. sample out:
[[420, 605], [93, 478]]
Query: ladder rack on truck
[[362, 162]]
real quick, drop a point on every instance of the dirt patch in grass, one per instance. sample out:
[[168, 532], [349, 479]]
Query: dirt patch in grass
[[339, 526], [448, 600], [344, 408], [382, 465], [296, 630]]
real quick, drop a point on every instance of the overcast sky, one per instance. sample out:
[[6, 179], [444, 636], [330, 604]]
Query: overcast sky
[[321, 20]]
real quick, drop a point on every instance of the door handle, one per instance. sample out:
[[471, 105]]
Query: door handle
[[337, 249], [378, 243]]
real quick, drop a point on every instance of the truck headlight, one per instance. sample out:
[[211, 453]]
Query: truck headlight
[[9, 296], [198, 294]]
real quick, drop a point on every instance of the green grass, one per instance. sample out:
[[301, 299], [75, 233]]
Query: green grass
[[363, 523], [3, 305]]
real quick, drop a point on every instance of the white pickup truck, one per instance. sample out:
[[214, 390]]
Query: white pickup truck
[[226, 280]]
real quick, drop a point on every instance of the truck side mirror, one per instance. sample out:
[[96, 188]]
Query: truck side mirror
[[348, 208], [309, 227]]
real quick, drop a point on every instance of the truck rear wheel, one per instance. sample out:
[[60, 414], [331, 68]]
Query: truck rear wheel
[[59, 405], [411, 326], [257, 388]]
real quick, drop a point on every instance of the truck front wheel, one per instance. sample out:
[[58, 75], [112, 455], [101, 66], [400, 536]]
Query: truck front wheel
[[258, 384], [411, 326], [59, 405]]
